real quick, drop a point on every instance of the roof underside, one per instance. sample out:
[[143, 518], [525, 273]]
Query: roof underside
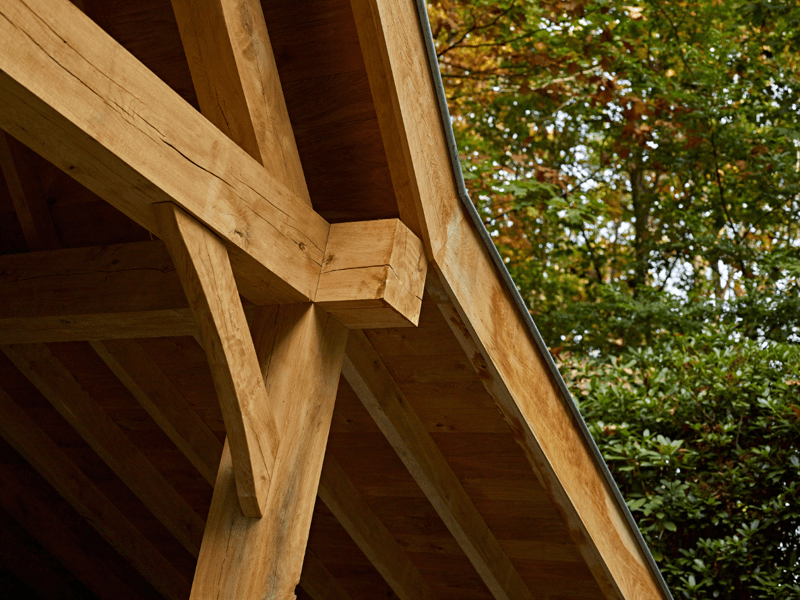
[[52, 552]]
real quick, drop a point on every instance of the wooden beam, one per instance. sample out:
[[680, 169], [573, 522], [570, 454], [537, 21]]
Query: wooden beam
[[111, 325], [237, 83], [179, 422], [383, 399], [300, 352], [164, 402], [122, 290], [489, 323], [373, 274], [202, 264], [27, 195], [133, 291], [75, 487], [156, 393], [318, 582], [353, 512], [79, 99], [18, 498], [73, 402], [134, 277]]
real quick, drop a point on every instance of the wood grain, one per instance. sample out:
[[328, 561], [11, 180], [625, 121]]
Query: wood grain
[[108, 440], [372, 268], [383, 399], [202, 264], [80, 100], [75, 487], [237, 83], [489, 324], [191, 435], [300, 354]]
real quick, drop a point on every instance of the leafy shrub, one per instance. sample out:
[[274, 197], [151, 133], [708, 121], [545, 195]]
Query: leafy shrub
[[702, 434]]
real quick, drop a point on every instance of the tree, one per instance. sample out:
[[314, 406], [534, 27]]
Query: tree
[[639, 169]]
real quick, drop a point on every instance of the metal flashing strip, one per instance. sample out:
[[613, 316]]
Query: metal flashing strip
[[422, 13]]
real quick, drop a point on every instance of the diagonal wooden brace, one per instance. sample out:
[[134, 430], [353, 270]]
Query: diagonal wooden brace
[[204, 269]]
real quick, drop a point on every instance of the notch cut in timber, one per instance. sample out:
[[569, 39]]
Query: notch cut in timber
[[204, 269], [373, 274]]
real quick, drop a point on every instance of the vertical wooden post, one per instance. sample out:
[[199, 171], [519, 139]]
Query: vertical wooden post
[[301, 349]]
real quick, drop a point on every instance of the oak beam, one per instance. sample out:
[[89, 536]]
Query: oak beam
[[202, 264], [83, 102], [488, 322], [156, 393], [118, 291], [179, 422], [366, 529], [133, 291], [237, 84], [74, 486], [300, 353], [386, 403], [30, 204], [108, 440], [373, 274]]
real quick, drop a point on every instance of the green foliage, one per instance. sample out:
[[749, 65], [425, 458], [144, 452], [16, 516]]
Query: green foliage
[[638, 166], [702, 434], [630, 155]]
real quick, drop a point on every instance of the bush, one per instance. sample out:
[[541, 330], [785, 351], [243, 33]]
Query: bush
[[702, 435]]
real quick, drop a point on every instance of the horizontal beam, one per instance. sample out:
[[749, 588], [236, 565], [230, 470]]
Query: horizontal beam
[[78, 98], [133, 291]]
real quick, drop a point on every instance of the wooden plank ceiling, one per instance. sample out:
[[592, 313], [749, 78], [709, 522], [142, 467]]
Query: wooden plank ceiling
[[137, 425]]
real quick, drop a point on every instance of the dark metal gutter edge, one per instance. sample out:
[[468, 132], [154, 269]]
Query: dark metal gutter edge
[[463, 194]]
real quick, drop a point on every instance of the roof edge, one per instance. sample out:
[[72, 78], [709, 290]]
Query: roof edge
[[463, 194]]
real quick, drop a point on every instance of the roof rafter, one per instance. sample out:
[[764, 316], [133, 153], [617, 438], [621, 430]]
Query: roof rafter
[[489, 323], [52, 378], [383, 399], [55, 466]]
